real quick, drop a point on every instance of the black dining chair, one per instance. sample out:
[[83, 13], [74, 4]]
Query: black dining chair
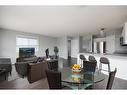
[[54, 80], [111, 79], [53, 64], [89, 66]]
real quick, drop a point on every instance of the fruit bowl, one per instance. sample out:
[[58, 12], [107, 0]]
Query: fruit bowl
[[76, 68]]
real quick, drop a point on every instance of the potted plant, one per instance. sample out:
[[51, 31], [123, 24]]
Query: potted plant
[[56, 50]]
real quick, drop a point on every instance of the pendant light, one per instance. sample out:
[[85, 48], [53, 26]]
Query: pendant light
[[102, 33]]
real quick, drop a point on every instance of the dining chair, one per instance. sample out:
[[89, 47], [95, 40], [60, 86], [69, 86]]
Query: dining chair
[[111, 79], [54, 80], [53, 64], [89, 66], [104, 61]]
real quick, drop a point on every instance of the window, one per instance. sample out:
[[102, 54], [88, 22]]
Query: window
[[26, 42]]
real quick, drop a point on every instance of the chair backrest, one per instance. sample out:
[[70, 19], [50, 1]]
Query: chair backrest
[[5, 61], [111, 79], [82, 57], [54, 79], [104, 60], [89, 66], [53, 64], [92, 59]]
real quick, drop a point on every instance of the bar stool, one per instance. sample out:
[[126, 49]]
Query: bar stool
[[82, 57], [104, 60], [92, 59]]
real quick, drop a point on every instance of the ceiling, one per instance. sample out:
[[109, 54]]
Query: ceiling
[[57, 21]]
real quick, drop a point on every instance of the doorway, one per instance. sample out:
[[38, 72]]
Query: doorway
[[69, 49]]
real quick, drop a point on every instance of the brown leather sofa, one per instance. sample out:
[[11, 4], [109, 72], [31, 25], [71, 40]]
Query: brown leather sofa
[[36, 71], [21, 66]]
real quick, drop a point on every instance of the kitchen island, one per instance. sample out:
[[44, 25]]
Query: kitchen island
[[118, 61]]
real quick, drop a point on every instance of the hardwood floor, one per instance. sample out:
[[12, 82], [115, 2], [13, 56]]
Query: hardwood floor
[[118, 84], [43, 84], [24, 84]]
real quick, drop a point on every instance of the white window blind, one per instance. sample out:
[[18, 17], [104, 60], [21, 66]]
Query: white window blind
[[24, 42]]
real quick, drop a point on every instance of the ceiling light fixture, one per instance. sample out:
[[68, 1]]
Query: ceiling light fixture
[[102, 33]]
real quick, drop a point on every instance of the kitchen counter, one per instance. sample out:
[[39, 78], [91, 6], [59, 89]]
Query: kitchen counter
[[115, 54], [116, 61], [123, 56]]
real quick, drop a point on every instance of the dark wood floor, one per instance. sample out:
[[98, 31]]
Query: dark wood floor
[[24, 84], [20, 83]]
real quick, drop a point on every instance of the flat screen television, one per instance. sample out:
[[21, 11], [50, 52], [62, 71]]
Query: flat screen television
[[26, 52]]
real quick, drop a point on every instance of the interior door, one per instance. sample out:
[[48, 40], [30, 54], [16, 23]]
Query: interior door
[[69, 48]]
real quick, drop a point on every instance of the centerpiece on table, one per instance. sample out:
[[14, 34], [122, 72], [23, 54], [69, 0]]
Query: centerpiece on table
[[76, 68]]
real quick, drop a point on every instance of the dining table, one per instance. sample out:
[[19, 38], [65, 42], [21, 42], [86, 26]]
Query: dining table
[[80, 80]]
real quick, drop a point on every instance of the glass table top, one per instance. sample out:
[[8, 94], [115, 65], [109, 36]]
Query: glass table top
[[81, 78]]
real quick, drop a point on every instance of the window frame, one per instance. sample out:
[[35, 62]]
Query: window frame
[[27, 46]]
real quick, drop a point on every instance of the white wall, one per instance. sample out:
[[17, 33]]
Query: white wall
[[62, 45], [85, 43], [74, 47], [63, 48], [110, 44], [125, 33], [8, 43]]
